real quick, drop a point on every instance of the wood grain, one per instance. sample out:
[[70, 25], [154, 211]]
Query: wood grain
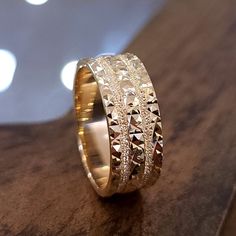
[[190, 52]]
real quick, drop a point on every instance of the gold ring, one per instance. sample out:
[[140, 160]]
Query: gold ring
[[119, 125]]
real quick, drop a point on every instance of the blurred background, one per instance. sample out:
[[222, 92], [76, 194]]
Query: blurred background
[[41, 40]]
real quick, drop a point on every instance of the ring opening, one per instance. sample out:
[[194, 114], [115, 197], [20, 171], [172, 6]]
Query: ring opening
[[93, 136]]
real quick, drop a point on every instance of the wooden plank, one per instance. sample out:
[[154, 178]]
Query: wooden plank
[[190, 52]]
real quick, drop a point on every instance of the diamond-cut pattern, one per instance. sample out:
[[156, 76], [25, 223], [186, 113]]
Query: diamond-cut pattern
[[133, 117], [150, 115]]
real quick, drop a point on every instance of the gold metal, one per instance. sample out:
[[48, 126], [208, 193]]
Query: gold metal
[[119, 124]]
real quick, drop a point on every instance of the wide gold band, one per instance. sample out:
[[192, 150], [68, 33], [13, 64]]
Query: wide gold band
[[119, 124]]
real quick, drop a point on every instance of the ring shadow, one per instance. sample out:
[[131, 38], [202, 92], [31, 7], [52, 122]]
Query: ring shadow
[[124, 215]]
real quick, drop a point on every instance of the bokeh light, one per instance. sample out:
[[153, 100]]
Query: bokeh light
[[36, 2], [68, 73], [7, 69]]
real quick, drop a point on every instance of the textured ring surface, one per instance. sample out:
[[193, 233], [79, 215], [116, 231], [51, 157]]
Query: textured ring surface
[[119, 125]]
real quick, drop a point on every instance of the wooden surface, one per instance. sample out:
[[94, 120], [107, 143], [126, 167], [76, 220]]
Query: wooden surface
[[228, 224], [190, 52]]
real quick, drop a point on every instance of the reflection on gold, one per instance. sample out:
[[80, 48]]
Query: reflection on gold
[[92, 131]]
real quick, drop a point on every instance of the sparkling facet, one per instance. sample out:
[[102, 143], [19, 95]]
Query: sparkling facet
[[127, 86], [133, 117]]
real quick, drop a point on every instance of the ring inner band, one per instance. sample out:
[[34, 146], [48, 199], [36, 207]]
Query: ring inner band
[[94, 144]]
